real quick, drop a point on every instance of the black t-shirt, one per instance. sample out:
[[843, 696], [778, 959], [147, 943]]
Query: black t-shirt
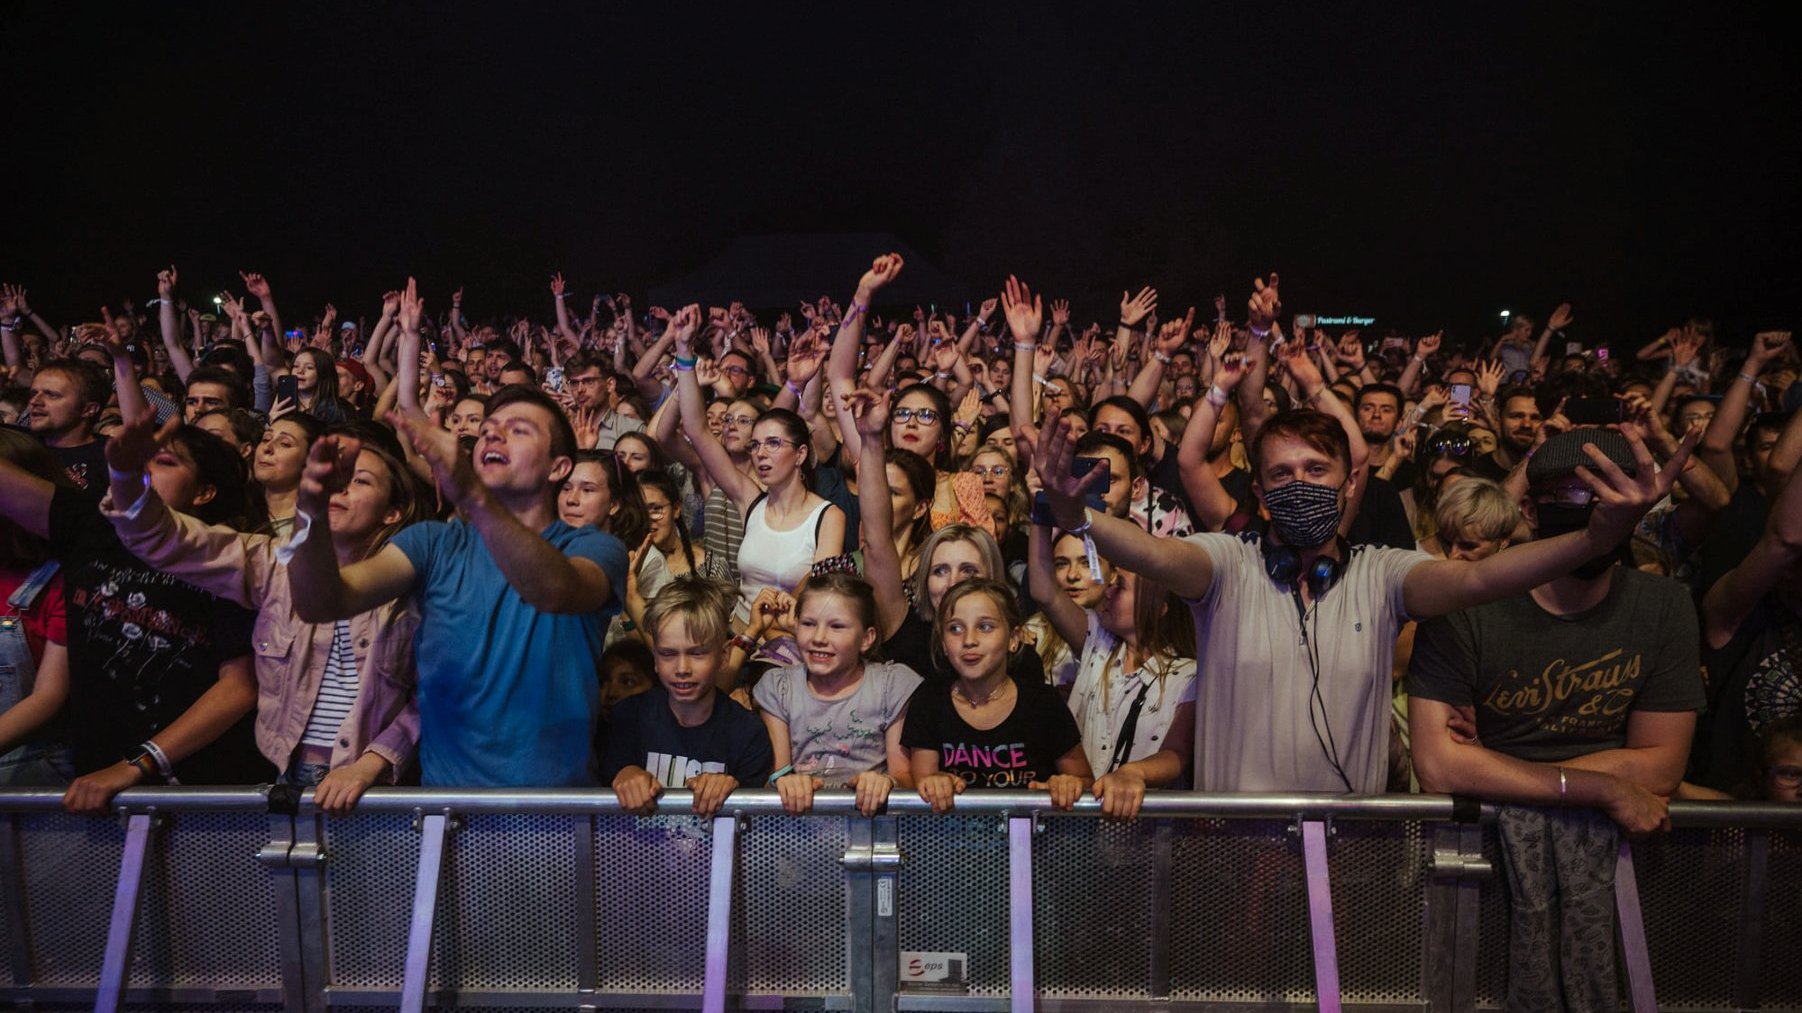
[[1237, 484], [643, 732], [86, 467], [1023, 748], [1753, 680], [1548, 688], [1730, 537], [143, 647], [912, 646], [1167, 475], [1381, 520]]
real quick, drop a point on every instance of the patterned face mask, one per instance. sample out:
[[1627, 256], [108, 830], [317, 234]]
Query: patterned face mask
[[1305, 515]]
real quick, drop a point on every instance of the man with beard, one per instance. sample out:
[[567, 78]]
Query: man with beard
[[1584, 692], [1520, 420]]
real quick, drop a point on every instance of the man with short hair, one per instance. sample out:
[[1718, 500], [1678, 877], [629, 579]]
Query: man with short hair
[[209, 389], [1584, 691], [67, 396], [513, 601], [596, 389]]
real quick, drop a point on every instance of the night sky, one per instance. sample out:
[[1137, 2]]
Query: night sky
[[1419, 166]]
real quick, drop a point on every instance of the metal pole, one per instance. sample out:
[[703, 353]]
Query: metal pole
[[1633, 933], [1320, 916], [860, 911], [1019, 913], [12, 898], [425, 911], [719, 913], [126, 896], [275, 856], [1751, 933]]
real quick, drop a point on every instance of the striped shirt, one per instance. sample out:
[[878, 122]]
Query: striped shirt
[[337, 691]]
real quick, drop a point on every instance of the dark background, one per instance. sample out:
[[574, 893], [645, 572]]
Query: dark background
[[1424, 167]]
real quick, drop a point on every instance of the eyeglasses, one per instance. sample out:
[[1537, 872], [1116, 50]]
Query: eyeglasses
[[1452, 446], [656, 509], [1787, 775], [771, 444], [993, 470], [739, 420], [924, 416], [735, 370]]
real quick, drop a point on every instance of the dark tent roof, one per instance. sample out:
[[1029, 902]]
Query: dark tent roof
[[780, 271]]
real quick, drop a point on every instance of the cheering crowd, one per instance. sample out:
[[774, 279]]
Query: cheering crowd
[[870, 547]]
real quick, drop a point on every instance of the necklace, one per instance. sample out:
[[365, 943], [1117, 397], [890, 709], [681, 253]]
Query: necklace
[[992, 696]]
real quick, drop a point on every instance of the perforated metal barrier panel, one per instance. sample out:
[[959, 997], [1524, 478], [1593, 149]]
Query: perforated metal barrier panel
[[557, 901]]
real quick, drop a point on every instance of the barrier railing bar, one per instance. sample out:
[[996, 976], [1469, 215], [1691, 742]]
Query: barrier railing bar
[[1633, 933], [542, 801], [1320, 916], [719, 913], [1751, 937], [12, 896], [433, 828], [1162, 875], [306, 858], [275, 856], [1019, 913], [1469, 917], [115, 967], [860, 909], [588, 942], [885, 949]]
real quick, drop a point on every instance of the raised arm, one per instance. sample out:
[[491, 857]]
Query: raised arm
[[324, 592], [258, 286], [1554, 324], [125, 373], [1171, 338], [868, 410], [841, 364], [1410, 378], [1069, 619], [1263, 307], [409, 310], [170, 325], [1730, 418], [1735, 595], [1447, 585], [714, 459], [16, 295], [557, 295], [1182, 566], [1213, 504], [536, 570]]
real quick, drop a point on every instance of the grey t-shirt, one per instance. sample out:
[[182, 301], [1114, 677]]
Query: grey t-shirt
[[1254, 682], [838, 739], [1548, 687]]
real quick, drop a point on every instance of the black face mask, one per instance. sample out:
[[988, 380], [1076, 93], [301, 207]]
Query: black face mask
[[1556, 519]]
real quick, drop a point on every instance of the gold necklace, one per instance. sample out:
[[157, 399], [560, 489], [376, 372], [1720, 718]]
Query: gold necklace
[[974, 703]]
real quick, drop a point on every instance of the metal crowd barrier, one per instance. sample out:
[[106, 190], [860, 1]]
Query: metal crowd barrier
[[194, 899]]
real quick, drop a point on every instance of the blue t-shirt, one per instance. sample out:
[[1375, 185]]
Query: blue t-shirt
[[508, 695]]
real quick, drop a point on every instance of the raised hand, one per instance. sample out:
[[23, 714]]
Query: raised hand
[[1134, 308], [1429, 345], [452, 470], [1060, 312], [682, 326], [255, 284], [15, 294], [1231, 370], [883, 270], [165, 283], [1686, 347], [1295, 357], [390, 304], [1222, 341], [557, 284], [1489, 376], [1025, 311], [331, 464], [1622, 499], [869, 411], [987, 310], [1264, 305], [1560, 318], [457, 297], [132, 446], [1220, 308], [1051, 457], [587, 424], [1173, 336], [1766, 345], [760, 341]]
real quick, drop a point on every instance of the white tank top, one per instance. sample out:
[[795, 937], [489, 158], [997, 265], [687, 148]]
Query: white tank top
[[771, 558]]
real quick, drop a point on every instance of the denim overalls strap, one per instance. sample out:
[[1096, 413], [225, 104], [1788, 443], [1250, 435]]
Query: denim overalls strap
[[17, 667]]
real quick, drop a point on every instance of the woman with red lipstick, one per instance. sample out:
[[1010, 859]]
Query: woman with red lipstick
[[787, 525]]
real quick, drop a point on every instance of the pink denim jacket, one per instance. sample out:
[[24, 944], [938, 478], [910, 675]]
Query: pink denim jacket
[[290, 654]]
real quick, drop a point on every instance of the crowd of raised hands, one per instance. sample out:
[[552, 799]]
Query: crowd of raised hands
[[853, 544]]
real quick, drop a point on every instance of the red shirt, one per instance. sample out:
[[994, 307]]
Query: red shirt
[[45, 619]]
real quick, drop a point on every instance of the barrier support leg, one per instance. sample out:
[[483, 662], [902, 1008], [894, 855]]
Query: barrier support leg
[[1751, 932], [719, 912], [12, 899], [433, 829], [1320, 916], [1019, 913], [1633, 933], [127, 895]]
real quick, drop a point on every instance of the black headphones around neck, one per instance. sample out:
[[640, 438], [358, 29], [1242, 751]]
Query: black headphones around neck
[[1283, 565]]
